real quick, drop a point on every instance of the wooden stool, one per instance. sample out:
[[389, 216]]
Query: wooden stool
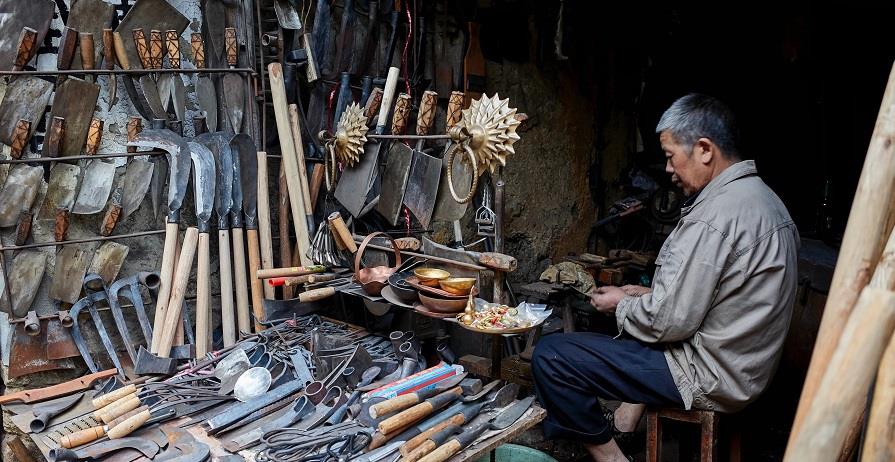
[[709, 433]]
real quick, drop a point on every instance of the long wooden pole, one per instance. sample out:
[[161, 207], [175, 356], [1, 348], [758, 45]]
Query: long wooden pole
[[264, 234], [868, 226], [880, 443]]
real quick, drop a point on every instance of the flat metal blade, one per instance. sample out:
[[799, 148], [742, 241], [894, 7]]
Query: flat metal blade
[[137, 98], [422, 186], [203, 180], [165, 86], [178, 160], [286, 15], [152, 14], [25, 274], [75, 101], [26, 98], [108, 260], [352, 188], [153, 96], [18, 193], [178, 96], [394, 182], [234, 100], [223, 169], [236, 193], [159, 174], [61, 189], [510, 415], [208, 101], [69, 271], [95, 188], [135, 182], [248, 164]]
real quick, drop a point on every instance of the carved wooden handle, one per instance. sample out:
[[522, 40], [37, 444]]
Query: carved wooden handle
[[19, 138], [128, 426], [27, 48], [373, 102], [53, 143], [127, 415], [108, 49], [82, 437], [444, 452], [120, 53], [426, 115], [60, 229], [402, 110], [198, 47], [156, 52], [119, 408], [104, 400], [414, 443], [142, 48], [23, 228], [88, 60], [110, 220], [455, 106], [316, 294], [94, 136], [405, 417], [230, 46], [67, 44], [134, 127], [172, 40]]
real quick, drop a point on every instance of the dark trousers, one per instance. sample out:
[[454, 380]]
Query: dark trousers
[[572, 370]]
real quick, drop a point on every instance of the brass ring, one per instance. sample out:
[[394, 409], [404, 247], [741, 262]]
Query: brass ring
[[450, 173]]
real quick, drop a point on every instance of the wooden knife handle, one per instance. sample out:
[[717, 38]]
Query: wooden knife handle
[[444, 452], [203, 297], [119, 408], [156, 49], [388, 95], [23, 228], [120, 53], [67, 44], [142, 48], [316, 294], [337, 224], [395, 404], [231, 46], [402, 110], [254, 250], [82, 437], [128, 426], [88, 60], [19, 138], [240, 281], [53, 143], [134, 127], [380, 439], [172, 40], [454, 109], [104, 400], [113, 213], [426, 115], [405, 417], [413, 443], [291, 271], [198, 47], [60, 229], [108, 49], [420, 451], [127, 415], [373, 102], [94, 136], [27, 48]]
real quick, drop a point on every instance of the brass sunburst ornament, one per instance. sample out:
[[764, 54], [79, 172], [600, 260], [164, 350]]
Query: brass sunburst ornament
[[348, 143]]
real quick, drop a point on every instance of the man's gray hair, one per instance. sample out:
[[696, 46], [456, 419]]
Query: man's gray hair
[[697, 116]]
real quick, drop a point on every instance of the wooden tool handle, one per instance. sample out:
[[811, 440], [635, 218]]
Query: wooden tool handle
[[27, 48], [67, 44], [178, 292], [60, 226], [119, 408], [444, 452], [454, 109], [393, 405], [402, 111], [142, 46], [294, 126], [231, 47], [94, 136], [88, 59], [265, 240], [203, 297], [102, 401], [110, 220], [23, 227], [166, 276], [405, 417], [387, 96], [172, 41], [371, 109], [378, 439], [156, 49], [337, 224], [317, 175], [420, 451], [240, 279], [228, 313], [53, 143], [128, 426], [198, 47], [126, 415], [413, 444], [498, 261], [120, 52], [291, 271], [426, 115], [134, 127], [19, 138], [108, 49], [255, 283], [82, 437], [316, 294]]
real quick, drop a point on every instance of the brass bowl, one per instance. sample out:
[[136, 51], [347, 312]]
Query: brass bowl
[[442, 305], [430, 276], [457, 286]]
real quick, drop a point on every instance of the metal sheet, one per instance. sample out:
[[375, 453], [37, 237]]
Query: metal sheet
[[25, 274], [108, 260], [61, 189], [95, 188], [75, 101], [134, 184], [422, 186], [394, 182], [69, 271], [18, 193], [16, 14], [26, 98], [30, 353]]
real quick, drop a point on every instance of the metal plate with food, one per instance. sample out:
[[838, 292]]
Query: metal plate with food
[[494, 318]]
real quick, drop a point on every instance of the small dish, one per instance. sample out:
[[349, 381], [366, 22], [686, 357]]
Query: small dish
[[430, 276], [442, 305], [457, 286]]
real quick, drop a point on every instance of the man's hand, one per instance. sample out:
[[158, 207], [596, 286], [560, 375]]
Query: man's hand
[[605, 299], [636, 291]]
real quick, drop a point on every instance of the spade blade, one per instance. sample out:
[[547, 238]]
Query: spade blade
[[136, 181], [95, 188], [61, 190], [24, 278], [18, 193]]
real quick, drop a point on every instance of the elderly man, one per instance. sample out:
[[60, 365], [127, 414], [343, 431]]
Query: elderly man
[[709, 332]]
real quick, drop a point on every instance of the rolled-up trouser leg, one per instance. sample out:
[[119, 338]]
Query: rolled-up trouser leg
[[572, 371]]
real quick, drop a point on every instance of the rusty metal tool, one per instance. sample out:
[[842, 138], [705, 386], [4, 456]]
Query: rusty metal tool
[[44, 413], [129, 289], [95, 292], [100, 451], [26, 97], [62, 389]]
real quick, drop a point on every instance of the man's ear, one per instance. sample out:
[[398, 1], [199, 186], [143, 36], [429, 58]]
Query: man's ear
[[706, 150]]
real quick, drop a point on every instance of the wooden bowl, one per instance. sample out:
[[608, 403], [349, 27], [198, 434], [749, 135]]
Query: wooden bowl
[[430, 276], [457, 286], [442, 305]]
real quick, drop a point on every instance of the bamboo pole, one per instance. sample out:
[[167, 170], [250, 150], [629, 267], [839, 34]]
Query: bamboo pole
[[870, 221]]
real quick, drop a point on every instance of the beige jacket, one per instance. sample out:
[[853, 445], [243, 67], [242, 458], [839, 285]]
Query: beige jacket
[[723, 292]]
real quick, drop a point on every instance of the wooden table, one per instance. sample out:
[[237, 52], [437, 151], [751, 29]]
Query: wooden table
[[474, 452]]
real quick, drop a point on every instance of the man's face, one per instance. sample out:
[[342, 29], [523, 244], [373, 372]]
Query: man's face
[[685, 166]]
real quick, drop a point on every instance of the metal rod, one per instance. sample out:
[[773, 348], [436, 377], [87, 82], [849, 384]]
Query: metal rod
[[410, 137], [216, 70], [430, 257], [81, 241], [67, 158]]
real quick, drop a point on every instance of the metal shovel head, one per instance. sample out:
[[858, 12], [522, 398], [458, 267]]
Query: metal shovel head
[[208, 101], [108, 260], [394, 182], [352, 188], [95, 188], [25, 274], [165, 86], [234, 100], [155, 95], [135, 182], [446, 208], [75, 101], [14, 15], [148, 15], [286, 15], [245, 149], [26, 98], [252, 383], [60, 343], [422, 186], [30, 353], [69, 271], [61, 189], [232, 365], [18, 193], [203, 180]]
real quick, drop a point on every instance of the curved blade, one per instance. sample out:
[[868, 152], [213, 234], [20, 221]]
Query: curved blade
[[203, 180], [247, 152], [208, 101], [223, 168], [236, 207], [178, 161]]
